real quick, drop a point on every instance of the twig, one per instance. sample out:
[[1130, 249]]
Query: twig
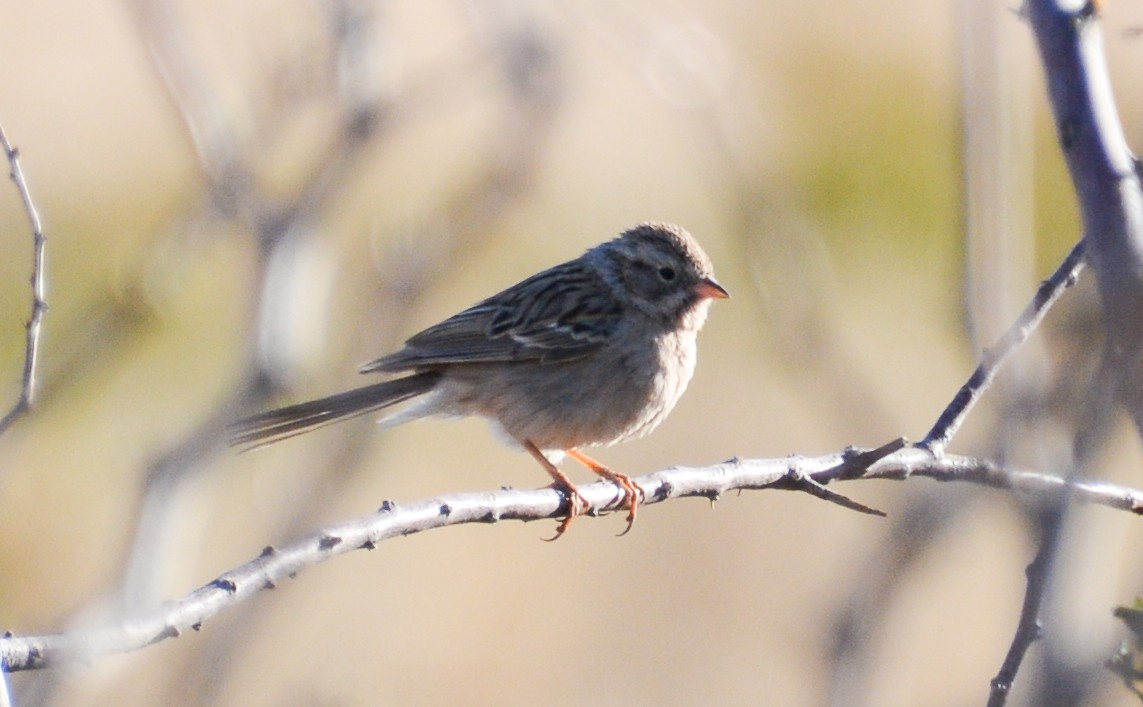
[[1049, 291], [797, 480], [856, 462], [39, 304], [276, 565], [1029, 628]]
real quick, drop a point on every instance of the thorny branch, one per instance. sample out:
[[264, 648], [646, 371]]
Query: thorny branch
[[275, 565], [39, 304]]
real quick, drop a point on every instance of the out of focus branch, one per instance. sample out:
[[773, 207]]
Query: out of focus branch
[[1029, 628], [517, 61], [39, 304], [1107, 182], [275, 565], [278, 227], [1106, 177]]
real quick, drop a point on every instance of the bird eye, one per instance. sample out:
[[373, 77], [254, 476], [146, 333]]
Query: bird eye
[[667, 273]]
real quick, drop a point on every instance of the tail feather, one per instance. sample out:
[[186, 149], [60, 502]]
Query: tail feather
[[279, 424]]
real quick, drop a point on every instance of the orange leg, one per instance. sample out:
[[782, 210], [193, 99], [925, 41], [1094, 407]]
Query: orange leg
[[577, 504], [632, 494]]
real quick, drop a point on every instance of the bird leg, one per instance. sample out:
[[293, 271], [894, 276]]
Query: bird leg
[[632, 494], [577, 504]]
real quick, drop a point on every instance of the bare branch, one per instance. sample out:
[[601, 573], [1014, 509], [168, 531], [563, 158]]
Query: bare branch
[[1049, 291], [273, 565], [237, 192], [1107, 181], [982, 472], [39, 304], [1029, 628]]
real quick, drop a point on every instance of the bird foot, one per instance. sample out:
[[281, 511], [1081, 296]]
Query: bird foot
[[577, 506], [632, 494]]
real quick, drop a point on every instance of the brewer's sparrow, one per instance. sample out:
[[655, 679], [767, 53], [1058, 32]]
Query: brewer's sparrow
[[590, 352]]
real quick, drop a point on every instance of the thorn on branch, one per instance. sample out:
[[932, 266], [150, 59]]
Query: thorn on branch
[[797, 480], [855, 462], [168, 631], [328, 542]]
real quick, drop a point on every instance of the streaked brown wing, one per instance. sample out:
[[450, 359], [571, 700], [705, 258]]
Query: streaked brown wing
[[560, 314]]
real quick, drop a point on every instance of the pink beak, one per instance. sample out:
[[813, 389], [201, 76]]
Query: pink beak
[[710, 289]]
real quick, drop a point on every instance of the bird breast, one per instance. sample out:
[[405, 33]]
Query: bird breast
[[617, 393], [676, 364]]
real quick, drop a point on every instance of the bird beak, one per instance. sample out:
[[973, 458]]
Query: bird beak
[[708, 288]]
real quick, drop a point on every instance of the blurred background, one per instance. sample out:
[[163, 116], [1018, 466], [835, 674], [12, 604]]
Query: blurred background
[[246, 200]]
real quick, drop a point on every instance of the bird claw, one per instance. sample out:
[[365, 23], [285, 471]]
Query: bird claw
[[560, 530], [577, 506], [632, 497], [632, 494]]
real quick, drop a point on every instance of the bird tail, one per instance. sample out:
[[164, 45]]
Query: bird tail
[[282, 423]]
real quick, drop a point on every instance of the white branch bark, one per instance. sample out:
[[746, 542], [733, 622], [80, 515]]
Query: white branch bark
[[275, 565]]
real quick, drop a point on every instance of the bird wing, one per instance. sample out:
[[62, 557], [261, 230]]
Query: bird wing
[[560, 314]]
